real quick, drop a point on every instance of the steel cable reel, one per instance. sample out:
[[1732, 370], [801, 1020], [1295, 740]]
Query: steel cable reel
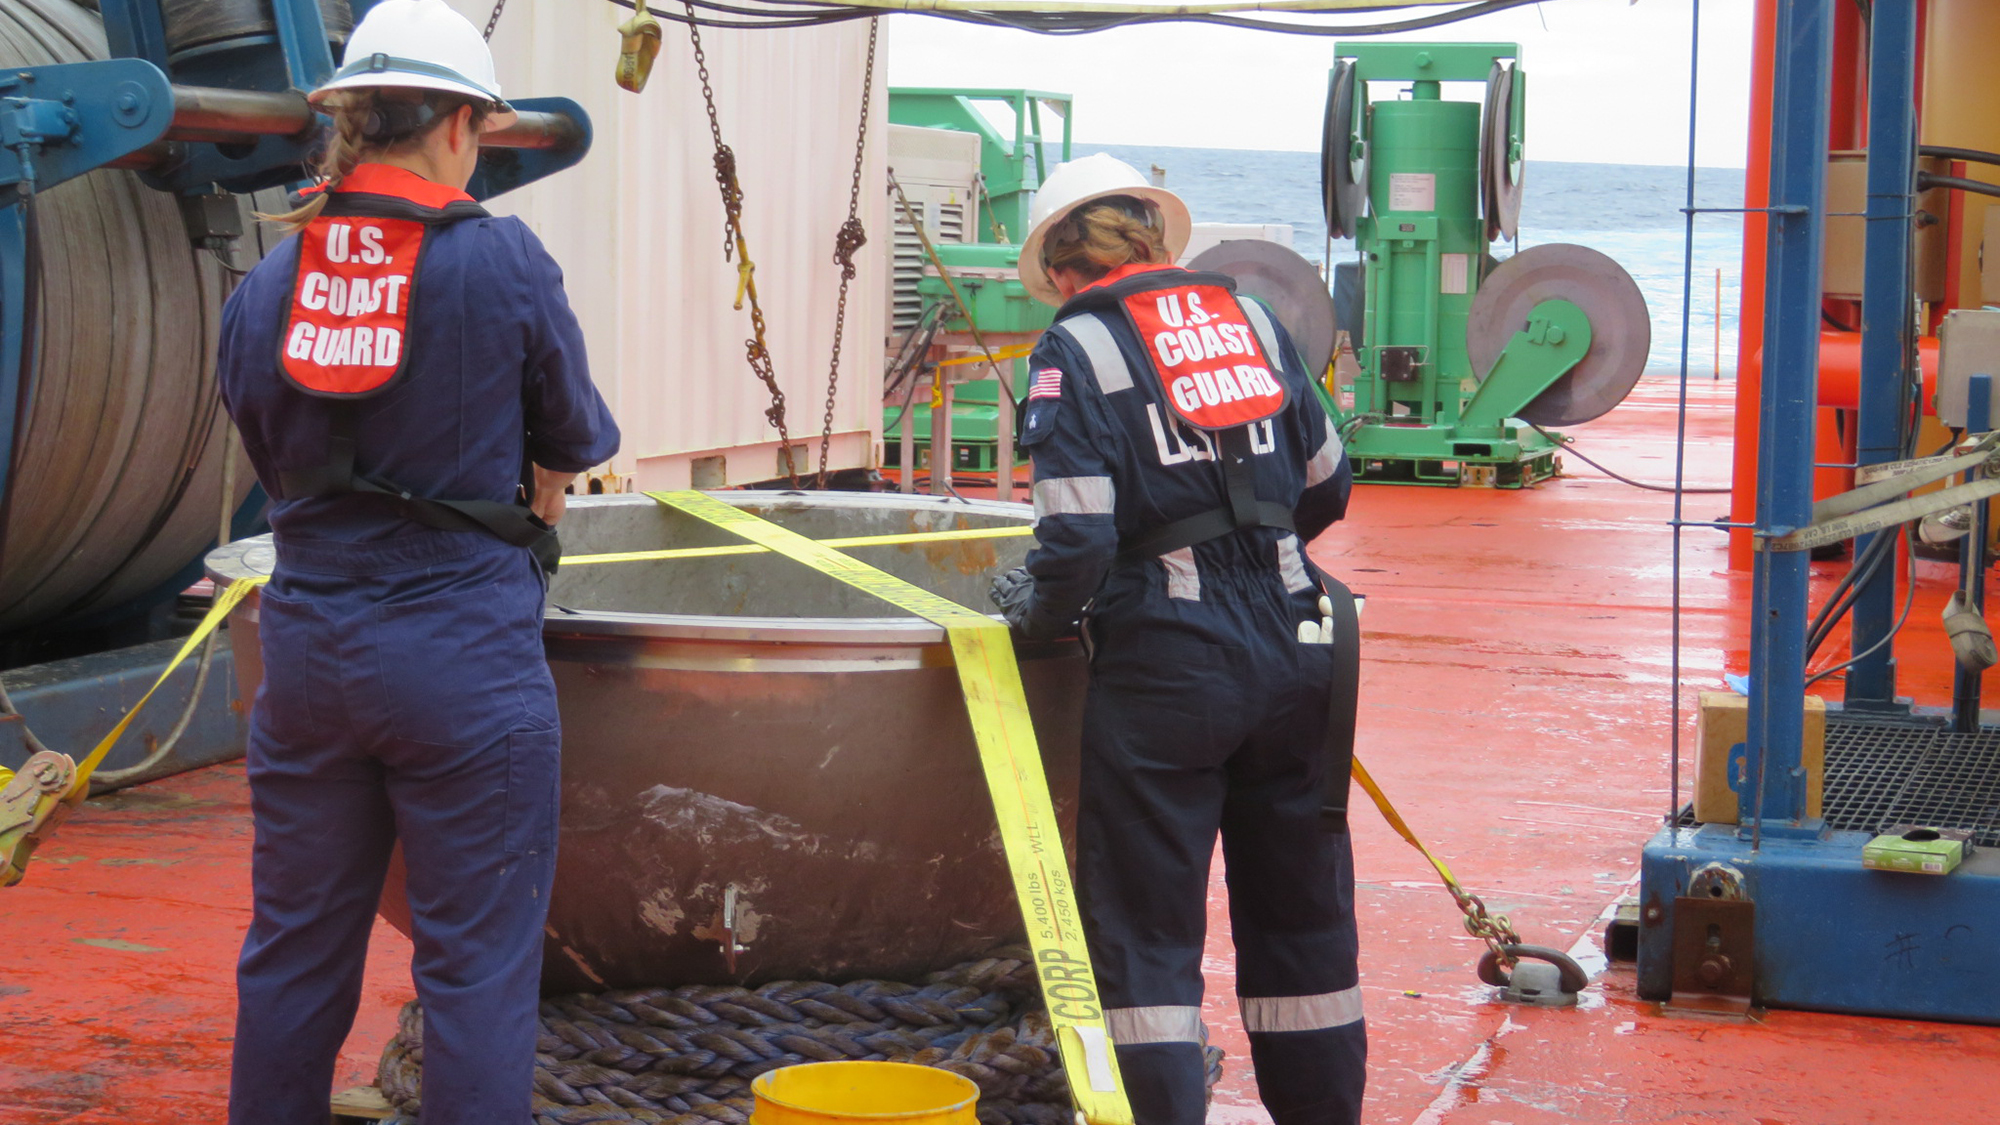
[[1621, 329], [117, 457], [1500, 164], [1343, 168], [1291, 285]]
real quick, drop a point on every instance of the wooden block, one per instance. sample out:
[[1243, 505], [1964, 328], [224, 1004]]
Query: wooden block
[[361, 1103], [1724, 721]]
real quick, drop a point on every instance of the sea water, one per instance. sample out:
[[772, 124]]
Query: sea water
[[1632, 212]]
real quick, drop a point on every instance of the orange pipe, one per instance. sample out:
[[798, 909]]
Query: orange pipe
[[1840, 369], [1750, 312]]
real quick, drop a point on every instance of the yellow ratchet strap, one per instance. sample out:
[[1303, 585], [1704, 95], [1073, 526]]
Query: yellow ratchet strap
[[50, 785], [983, 649], [1008, 532]]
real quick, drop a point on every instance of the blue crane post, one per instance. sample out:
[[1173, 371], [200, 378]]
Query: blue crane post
[[1774, 788], [1885, 325]]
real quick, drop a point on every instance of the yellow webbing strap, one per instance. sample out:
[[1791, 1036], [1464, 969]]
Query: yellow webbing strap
[[224, 602], [1008, 532], [46, 816], [983, 650], [1395, 820]]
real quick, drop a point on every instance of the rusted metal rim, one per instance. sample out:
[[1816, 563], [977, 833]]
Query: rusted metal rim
[[896, 636]]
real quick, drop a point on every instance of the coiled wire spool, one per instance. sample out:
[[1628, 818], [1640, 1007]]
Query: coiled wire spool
[[194, 26], [687, 1056], [117, 459]]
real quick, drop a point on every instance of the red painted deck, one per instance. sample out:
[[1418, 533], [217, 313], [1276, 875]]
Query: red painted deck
[[1515, 705]]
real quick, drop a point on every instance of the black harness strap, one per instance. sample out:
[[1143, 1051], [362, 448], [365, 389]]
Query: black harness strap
[[510, 523], [1341, 704], [1243, 512]]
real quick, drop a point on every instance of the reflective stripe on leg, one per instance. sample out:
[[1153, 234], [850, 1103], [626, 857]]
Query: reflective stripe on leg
[[1300, 1013], [1166, 1023]]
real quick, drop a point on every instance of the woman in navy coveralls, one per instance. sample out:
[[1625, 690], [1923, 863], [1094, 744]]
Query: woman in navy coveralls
[[406, 695]]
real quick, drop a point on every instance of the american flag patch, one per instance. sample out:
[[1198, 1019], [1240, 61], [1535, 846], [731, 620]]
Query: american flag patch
[[1047, 383]]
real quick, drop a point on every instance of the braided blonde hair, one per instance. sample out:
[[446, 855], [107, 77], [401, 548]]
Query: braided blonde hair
[[1107, 233], [367, 123]]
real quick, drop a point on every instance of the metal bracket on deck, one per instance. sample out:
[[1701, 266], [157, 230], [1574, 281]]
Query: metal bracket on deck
[[1714, 944]]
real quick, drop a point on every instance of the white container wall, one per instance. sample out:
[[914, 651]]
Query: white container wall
[[638, 228]]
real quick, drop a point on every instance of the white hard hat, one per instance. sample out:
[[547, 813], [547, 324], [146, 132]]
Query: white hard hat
[[421, 45], [1079, 182]]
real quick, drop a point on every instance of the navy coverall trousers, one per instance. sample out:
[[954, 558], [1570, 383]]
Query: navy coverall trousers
[[1184, 739], [404, 694]]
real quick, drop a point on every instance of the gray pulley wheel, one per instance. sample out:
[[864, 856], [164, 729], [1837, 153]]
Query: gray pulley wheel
[[1291, 285], [1499, 175], [1343, 170], [1621, 330]]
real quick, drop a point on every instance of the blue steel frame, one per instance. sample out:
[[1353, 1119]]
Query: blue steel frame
[[1829, 934], [1774, 793], [1886, 316]]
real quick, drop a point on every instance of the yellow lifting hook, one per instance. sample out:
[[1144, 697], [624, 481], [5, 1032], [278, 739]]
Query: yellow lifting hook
[[639, 45]]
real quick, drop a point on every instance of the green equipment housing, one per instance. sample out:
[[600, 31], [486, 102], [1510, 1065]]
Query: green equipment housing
[[1461, 361], [1012, 166]]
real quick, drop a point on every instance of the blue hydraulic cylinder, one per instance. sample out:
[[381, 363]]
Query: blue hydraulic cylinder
[[1774, 787], [1886, 315], [1966, 682]]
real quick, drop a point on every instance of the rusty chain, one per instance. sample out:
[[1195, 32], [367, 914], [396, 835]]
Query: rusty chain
[[1493, 929], [493, 20], [852, 237], [757, 350]]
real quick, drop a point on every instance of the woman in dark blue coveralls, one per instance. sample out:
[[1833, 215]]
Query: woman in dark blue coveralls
[[405, 695], [1157, 401]]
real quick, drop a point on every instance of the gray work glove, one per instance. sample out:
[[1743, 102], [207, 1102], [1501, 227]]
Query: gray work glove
[[1014, 591]]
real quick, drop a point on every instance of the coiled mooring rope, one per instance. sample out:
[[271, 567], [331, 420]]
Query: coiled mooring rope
[[686, 1056]]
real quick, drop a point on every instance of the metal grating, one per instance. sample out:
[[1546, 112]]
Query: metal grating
[[1880, 774]]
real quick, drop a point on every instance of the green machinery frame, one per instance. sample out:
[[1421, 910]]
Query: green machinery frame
[[1420, 414], [1012, 167]]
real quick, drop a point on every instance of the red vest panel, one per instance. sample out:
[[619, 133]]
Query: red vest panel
[[1206, 355], [351, 304]]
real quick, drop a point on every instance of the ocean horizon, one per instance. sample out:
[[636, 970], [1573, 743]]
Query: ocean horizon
[[1632, 212]]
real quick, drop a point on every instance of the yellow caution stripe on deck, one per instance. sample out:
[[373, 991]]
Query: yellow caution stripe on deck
[[983, 650]]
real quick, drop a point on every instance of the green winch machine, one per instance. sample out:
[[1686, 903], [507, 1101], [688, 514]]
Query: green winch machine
[[1463, 363]]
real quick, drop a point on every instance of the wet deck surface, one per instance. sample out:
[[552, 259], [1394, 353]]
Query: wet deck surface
[[1515, 706]]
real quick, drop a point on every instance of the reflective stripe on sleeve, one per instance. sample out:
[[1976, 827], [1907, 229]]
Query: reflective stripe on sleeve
[[1183, 580], [1074, 496], [1326, 462], [1090, 333], [1267, 334], [1133, 1027], [1291, 565], [1301, 1013]]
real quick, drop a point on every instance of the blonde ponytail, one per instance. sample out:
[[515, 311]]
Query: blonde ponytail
[[1101, 236]]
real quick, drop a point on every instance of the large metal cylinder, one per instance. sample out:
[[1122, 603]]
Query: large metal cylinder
[[743, 731], [117, 460], [197, 27]]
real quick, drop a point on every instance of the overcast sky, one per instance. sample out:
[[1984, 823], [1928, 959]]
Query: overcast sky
[[1608, 79]]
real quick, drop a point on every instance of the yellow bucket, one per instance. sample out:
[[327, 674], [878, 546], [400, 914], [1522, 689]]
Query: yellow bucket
[[829, 1092]]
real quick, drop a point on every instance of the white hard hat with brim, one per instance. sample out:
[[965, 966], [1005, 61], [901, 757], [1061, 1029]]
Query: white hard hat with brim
[[1081, 182], [420, 45]]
